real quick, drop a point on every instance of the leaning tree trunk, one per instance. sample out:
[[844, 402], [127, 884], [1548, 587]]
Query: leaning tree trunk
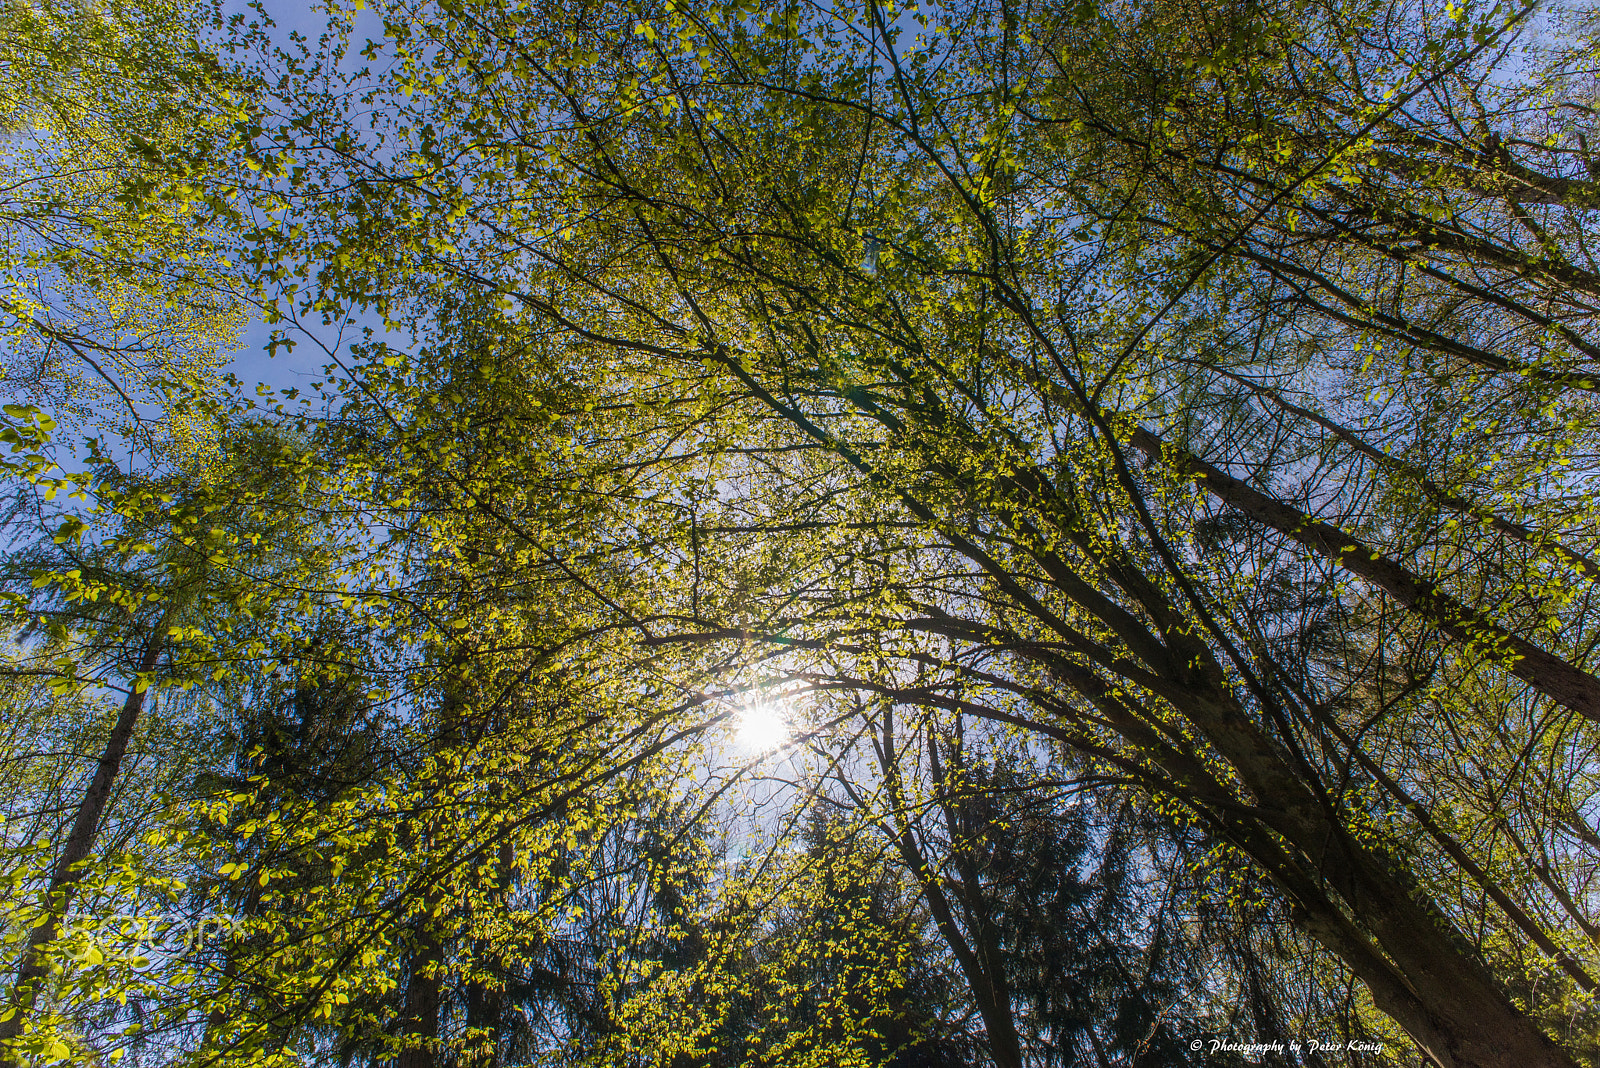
[[1552, 676], [80, 842], [1353, 901]]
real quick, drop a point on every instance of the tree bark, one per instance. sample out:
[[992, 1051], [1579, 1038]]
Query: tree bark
[[420, 1026], [68, 872], [1544, 671]]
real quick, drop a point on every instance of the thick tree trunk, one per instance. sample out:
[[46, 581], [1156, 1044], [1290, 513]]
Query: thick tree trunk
[[1351, 900], [1422, 978], [80, 842], [1345, 895], [420, 1026]]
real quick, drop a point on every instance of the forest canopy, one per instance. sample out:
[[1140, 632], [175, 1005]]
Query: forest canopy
[[915, 535]]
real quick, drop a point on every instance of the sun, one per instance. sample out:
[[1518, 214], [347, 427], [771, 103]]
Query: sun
[[761, 728]]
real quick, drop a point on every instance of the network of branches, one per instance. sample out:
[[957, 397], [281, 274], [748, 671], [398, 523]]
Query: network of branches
[[975, 532]]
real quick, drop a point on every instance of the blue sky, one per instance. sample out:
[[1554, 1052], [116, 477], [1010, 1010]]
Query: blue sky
[[304, 364]]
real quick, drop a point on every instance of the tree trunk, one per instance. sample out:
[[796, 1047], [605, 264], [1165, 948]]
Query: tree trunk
[[487, 1003], [982, 970], [80, 842], [420, 1026], [486, 1011], [218, 1017], [1406, 952], [1544, 671]]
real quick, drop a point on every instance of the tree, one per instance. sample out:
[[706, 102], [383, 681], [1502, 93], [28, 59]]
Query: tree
[[912, 305], [411, 902], [118, 301], [147, 586]]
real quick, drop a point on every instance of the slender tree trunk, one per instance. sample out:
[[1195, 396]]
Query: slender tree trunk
[[80, 842], [218, 1017], [986, 953], [979, 966], [424, 997], [1432, 490], [994, 1004], [486, 1001], [1552, 676], [486, 1010], [1544, 671]]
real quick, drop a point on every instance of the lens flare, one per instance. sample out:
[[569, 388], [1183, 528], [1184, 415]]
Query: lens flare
[[761, 728]]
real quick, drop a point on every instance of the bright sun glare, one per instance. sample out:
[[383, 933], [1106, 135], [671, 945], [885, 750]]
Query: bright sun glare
[[762, 728]]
